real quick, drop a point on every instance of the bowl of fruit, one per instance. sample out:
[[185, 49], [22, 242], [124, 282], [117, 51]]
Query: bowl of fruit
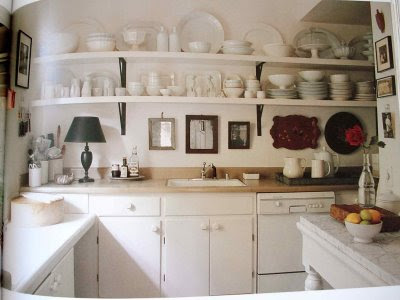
[[364, 226]]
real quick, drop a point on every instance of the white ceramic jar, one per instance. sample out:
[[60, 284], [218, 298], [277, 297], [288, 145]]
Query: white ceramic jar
[[293, 167]]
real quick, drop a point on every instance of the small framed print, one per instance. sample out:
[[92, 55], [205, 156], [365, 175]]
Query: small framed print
[[238, 135], [384, 54], [385, 87], [161, 134], [23, 65], [387, 123]]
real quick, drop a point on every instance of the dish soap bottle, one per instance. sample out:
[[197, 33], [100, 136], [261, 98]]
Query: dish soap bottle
[[162, 40], [133, 164], [174, 44], [124, 168]]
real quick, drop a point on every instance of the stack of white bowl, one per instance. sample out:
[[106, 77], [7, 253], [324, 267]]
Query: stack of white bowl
[[100, 41], [313, 88], [340, 87], [252, 86], [135, 88], [286, 90], [365, 91], [233, 87], [369, 50], [237, 47], [154, 84]]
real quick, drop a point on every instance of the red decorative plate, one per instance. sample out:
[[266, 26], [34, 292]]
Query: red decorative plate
[[295, 132]]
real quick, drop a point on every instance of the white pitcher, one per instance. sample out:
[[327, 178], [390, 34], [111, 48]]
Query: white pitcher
[[293, 167], [329, 158]]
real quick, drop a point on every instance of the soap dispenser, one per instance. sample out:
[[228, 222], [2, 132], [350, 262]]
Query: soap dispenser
[[162, 40], [174, 43]]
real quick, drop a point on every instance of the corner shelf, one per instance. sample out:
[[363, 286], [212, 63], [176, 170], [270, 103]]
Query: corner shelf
[[201, 100], [202, 58]]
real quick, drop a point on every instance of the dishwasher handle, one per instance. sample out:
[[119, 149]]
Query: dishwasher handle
[[297, 209]]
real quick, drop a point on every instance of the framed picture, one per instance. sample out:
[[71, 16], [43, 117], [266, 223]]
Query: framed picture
[[23, 66], [385, 86], [161, 134], [387, 123], [238, 135], [384, 54], [201, 134]]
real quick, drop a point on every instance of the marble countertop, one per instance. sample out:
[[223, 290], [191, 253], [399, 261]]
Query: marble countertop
[[382, 257], [102, 186], [30, 254]]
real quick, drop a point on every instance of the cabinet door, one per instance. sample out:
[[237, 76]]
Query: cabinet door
[[231, 255], [129, 257], [186, 267]]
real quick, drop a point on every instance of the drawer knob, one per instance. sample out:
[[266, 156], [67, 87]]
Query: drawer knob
[[278, 204], [203, 226], [216, 226], [132, 207], [154, 228]]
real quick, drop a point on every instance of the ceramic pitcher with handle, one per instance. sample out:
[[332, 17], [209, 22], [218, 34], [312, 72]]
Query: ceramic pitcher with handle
[[293, 167], [329, 158]]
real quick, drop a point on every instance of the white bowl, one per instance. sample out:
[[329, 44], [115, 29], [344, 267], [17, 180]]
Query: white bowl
[[177, 90], [312, 75], [236, 43], [166, 92], [60, 43], [233, 92], [253, 89], [344, 52], [337, 78], [363, 233], [153, 90], [233, 83], [278, 50], [283, 81], [252, 83], [134, 37], [237, 50], [199, 47], [135, 90], [100, 45]]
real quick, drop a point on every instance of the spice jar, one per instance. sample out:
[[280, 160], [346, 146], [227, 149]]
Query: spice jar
[[115, 171]]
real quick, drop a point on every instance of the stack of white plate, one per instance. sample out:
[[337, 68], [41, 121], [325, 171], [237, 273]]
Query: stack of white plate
[[341, 90], [237, 47], [365, 91], [290, 93], [317, 90]]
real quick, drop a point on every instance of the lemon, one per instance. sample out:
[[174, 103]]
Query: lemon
[[353, 218], [365, 222], [365, 215]]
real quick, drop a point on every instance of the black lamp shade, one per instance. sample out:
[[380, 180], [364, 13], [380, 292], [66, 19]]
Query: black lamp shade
[[85, 130]]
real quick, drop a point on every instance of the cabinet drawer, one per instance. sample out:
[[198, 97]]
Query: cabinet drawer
[[76, 203], [209, 204], [124, 205]]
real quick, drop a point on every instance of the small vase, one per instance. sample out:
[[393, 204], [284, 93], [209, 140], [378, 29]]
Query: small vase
[[366, 185]]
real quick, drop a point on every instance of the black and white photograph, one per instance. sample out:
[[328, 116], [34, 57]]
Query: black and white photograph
[[239, 135], [24, 49], [385, 87], [388, 126], [384, 55]]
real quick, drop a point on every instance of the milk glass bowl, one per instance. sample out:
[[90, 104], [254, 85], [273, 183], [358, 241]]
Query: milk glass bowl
[[283, 81], [363, 233]]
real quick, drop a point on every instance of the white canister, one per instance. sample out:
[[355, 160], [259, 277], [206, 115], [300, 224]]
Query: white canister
[[35, 177], [45, 171], [56, 166]]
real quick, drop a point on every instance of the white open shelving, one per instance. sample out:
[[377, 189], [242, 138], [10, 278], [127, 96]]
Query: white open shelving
[[201, 100], [202, 58]]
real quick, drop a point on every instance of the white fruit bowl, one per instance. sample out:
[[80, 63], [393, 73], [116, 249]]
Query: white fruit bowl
[[283, 81], [312, 75], [278, 50], [363, 233]]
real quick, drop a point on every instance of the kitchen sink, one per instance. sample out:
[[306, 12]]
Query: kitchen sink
[[197, 182]]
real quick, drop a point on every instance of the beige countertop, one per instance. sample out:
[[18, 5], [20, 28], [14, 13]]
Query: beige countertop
[[104, 186]]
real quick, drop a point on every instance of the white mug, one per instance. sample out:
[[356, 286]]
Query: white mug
[[318, 168], [96, 92]]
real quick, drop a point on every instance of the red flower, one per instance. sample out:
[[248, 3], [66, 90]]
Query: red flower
[[355, 136]]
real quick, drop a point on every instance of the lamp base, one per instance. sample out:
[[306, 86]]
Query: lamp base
[[86, 179]]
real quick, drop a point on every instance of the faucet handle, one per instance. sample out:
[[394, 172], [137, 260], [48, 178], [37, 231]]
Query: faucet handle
[[204, 164]]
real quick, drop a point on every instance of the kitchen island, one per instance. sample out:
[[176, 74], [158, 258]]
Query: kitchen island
[[330, 252]]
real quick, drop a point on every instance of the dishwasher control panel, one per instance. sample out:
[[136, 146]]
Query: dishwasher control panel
[[287, 203]]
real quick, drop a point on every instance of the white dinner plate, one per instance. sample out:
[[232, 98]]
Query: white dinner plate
[[260, 34], [200, 26]]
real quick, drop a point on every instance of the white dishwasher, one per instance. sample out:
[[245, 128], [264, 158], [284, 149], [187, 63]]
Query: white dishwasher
[[280, 266]]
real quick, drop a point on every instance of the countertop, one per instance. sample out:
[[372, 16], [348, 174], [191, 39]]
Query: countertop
[[31, 253], [104, 186], [382, 257]]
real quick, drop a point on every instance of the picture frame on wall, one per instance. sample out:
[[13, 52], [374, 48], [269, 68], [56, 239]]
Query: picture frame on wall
[[384, 54], [23, 64], [161, 133], [387, 125], [386, 87], [238, 135], [201, 134]]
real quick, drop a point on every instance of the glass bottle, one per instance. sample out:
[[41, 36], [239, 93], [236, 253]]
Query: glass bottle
[[124, 168], [366, 185], [133, 164]]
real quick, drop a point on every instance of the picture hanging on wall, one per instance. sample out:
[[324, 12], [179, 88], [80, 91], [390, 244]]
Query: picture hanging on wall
[[384, 54], [385, 87], [238, 135], [23, 66], [387, 122]]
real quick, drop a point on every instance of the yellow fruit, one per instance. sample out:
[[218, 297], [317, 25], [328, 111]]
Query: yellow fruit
[[353, 218], [365, 222], [375, 216], [365, 215]]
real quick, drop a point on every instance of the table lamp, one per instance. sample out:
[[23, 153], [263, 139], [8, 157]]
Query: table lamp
[[85, 130]]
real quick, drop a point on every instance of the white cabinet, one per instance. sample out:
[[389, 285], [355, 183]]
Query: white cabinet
[[208, 256], [129, 257], [60, 282]]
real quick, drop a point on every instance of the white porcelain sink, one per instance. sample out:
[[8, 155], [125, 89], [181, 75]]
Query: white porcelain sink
[[204, 182]]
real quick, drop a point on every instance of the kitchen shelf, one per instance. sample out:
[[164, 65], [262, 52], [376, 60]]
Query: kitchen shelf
[[202, 58], [201, 100]]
